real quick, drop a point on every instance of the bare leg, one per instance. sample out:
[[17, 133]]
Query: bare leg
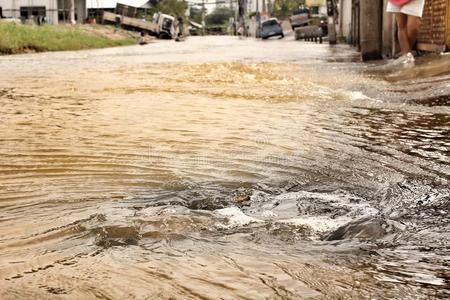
[[402, 22], [413, 25]]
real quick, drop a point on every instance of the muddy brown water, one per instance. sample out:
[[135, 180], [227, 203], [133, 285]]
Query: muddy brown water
[[223, 169]]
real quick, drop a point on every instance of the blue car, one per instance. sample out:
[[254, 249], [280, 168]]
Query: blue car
[[271, 27]]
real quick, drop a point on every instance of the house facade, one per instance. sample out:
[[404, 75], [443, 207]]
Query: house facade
[[317, 6], [53, 11], [27, 9]]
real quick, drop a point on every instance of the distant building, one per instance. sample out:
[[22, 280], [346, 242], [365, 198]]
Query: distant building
[[28, 9], [317, 6], [111, 4], [52, 11], [57, 11], [224, 3]]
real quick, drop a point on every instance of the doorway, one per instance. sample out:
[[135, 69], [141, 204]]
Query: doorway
[[34, 13]]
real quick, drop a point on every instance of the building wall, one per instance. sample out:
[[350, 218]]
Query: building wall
[[345, 14], [371, 27], [435, 31], [80, 9], [448, 26], [315, 3], [323, 9], [11, 8]]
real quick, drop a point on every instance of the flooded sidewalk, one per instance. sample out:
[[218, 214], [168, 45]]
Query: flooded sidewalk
[[223, 168]]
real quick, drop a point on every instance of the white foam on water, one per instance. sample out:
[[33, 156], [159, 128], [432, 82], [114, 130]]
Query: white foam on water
[[235, 217], [429, 279], [284, 208], [358, 96], [319, 224], [269, 214]]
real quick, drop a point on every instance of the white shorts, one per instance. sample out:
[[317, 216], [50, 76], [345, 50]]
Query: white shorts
[[413, 8]]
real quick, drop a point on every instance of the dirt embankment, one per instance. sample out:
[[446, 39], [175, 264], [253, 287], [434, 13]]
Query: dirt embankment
[[110, 32]]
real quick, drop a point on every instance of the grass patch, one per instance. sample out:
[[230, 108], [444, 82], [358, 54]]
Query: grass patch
[[18, 38]]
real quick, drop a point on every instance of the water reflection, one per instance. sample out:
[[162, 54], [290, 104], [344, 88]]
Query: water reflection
[[415, 133]]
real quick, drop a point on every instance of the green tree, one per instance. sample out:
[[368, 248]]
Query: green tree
[[284, 8], [175, 8], [219, 16], [196, 14]]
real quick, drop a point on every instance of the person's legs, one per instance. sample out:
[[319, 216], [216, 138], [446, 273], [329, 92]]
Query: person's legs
[[402, 24], [413, 25]]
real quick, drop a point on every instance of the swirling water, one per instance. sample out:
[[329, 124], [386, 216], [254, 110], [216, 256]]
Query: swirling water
[[223, 168]]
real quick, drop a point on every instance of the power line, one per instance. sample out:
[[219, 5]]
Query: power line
[[210, 3]]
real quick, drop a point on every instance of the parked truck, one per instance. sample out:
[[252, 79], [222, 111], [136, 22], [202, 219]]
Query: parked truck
[[162, 26], [299, 18], [302, 17]]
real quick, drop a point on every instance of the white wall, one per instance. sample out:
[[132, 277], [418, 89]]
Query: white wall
[[315, 3], [346, 18], [11, 8], [80, 8], [323, 10]]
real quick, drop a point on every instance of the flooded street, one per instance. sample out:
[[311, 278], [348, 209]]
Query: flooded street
[[221, 168]]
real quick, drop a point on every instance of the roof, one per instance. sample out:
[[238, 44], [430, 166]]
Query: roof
[[113, 3]]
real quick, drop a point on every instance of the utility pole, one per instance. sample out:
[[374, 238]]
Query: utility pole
[[331, 10], [232, 19], [244, 16], [371, 29], [241, 11], [258, 21], [203, 17], [72, 12]]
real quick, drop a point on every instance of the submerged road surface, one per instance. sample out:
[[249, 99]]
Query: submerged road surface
[[221, 168]]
